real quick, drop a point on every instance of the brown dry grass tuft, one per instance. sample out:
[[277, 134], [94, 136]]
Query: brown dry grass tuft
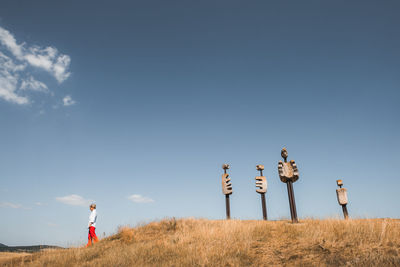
[[190, 242], [10, 256]]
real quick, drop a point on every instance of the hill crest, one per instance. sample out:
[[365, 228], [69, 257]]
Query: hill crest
[[190, 242]]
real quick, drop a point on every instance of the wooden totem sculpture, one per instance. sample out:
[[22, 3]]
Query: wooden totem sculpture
[[261, 184], [226, 189], [288, 173], [341, 194]]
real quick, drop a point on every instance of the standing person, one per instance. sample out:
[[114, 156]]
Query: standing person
[[92, 238]]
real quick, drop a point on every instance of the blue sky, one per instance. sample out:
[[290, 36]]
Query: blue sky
[[137, 105]]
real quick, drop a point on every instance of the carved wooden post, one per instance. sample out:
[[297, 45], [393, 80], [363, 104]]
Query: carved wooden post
[[341, 194], [226, 189], [288, 173], [261, 183]]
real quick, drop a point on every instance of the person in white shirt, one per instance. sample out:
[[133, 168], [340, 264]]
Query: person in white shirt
[[92, 238]]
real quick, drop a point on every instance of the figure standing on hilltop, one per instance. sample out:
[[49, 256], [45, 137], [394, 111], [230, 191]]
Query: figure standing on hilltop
[[92, 238]]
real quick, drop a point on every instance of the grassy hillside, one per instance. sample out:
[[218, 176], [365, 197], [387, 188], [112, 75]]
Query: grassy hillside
[[190, 242]]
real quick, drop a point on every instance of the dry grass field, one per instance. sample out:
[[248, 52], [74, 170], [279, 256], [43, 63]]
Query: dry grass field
[[191, 242], [9, 256]]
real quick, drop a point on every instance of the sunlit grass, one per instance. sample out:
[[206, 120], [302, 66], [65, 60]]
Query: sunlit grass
[[191, 242]]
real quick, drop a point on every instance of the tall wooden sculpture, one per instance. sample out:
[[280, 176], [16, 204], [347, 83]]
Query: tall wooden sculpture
[[341, 194], [226, 189], [261, 184], [288, 173]]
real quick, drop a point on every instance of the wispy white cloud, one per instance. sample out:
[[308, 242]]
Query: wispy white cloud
[[49, 60], [140, 199], [74, 200], [46, 58], [8, 40], [40, 204], [34, 85], [12, 205], [68, 101], [15, 77], [10, 65], [9, 79]]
